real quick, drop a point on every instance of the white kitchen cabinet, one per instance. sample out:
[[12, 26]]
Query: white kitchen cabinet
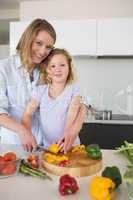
[[16, 30], [115, 37], [77, 36]]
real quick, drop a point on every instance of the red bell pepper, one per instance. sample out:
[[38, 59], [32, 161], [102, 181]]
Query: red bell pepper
[[68, 185]]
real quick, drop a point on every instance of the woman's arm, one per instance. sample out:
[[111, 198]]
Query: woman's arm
[[31, 143], [10, 123], [23, 130]]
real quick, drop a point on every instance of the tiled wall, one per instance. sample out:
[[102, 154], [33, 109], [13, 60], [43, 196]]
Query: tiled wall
[[107, 82]]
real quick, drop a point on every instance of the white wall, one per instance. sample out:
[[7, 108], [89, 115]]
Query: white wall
[[75, 9], [101, 79]]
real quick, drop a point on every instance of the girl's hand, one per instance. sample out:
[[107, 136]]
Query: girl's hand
[[28, 141], [60, 143], [68, 141], [73, 131]]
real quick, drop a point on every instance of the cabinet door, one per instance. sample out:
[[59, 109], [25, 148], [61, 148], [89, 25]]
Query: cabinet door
[[115, 36], [108, 136], [77, 36]]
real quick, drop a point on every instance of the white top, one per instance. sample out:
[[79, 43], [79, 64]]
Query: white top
[[53, 112], [15, 91]]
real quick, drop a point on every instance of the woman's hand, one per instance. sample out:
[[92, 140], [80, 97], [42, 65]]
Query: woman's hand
[[28, 141]]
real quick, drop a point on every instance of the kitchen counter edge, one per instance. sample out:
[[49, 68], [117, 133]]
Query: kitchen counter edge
[[122, 122]]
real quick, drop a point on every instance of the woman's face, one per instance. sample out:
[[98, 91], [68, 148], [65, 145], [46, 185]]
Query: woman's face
[[41, 47], [58, 69]]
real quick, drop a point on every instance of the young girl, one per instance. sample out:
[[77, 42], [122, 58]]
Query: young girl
[[58, 100]]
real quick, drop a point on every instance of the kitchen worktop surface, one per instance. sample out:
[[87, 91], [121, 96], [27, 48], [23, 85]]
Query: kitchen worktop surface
[[20, 187]]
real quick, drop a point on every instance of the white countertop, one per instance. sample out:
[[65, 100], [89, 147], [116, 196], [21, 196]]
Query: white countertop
[[20, 187], [122, 122]]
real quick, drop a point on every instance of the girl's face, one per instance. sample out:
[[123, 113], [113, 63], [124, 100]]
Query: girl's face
[[58, 69], [41, 47]]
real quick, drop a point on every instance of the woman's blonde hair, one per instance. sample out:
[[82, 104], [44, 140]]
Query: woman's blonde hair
[[25, 42], [71, 74]]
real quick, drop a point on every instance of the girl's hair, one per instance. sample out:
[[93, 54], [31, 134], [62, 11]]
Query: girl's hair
[[71, 74], [25, 42]]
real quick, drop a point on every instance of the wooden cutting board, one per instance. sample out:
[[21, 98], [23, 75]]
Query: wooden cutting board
[[80, 165]]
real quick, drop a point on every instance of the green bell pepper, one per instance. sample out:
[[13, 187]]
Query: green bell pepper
[[93, 151]]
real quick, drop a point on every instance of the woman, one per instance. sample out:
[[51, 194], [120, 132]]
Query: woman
[[19, 74]]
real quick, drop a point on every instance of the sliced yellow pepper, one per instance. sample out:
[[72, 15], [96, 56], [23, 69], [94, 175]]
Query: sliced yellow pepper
[[51, 158], [78, 148]]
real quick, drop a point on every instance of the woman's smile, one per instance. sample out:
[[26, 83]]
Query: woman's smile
[[41, 47]]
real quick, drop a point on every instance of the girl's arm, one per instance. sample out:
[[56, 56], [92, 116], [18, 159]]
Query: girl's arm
[[74, 121], [72, 112], [27, 115], [71, 134]]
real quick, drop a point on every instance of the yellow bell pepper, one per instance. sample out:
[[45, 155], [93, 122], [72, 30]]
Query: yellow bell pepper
[[54, 148], [101, 188]]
